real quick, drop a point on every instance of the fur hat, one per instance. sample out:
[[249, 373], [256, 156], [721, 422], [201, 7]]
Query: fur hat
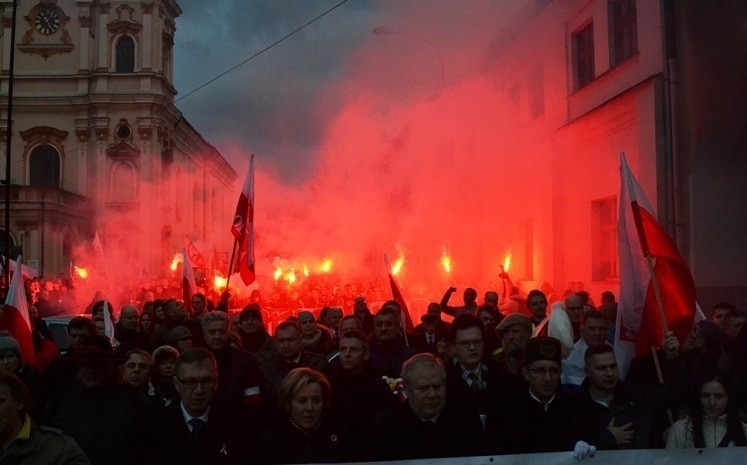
[[542, 348]]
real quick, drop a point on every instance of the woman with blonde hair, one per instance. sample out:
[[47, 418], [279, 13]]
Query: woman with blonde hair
[[303, 431]]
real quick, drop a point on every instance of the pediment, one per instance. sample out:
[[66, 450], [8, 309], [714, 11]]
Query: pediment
[[123, 151]]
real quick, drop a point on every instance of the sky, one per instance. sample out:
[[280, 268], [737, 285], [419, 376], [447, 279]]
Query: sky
[[358, 123]]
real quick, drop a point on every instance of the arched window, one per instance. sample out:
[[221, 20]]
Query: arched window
[[125, 55], [44, 167]]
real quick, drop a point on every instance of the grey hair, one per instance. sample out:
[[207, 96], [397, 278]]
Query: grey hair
[[212, 317], [418, 360]]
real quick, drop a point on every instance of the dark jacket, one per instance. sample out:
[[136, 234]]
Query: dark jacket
[[275, 369], [241, 385], [520, 425], [357, 397], [630, 404], [398, 434], [284, 443], [495, 386], [222, 440], [48, 446], [387, 357]]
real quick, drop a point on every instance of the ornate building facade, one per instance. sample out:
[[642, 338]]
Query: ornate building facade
[[97, 144]]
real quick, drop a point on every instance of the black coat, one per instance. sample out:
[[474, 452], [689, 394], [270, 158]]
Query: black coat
[[357, 397], [284, 443], [222, 440], [521, 425], [398, 434], [497, 386]]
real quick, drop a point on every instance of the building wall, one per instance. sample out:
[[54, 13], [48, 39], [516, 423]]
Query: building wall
[[147, 187]]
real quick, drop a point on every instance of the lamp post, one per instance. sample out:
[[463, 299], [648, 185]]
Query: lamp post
[[6, 262]]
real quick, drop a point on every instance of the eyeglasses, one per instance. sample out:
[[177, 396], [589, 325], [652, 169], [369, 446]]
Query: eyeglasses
[[551, 372], [191, 383]]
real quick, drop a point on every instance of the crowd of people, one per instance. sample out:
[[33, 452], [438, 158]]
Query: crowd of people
[[183, 383]]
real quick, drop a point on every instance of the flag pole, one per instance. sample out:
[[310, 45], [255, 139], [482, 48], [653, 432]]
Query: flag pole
[[654, 281], [230, 267]]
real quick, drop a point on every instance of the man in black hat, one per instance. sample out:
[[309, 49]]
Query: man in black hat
[[540, 418], [253, 333], [105, 417]]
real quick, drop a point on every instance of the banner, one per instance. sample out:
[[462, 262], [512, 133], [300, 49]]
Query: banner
[[243, 227]]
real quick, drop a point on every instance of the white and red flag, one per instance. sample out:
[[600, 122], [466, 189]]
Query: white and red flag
[[189, 285], [643, 245], [195, 257], [243, 227], [399, 298], [15, 319]]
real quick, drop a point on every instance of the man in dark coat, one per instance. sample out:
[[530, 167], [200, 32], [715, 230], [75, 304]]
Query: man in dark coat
[[357, 392], [388, 350], [427, 425], [104, 416], [540, 418], [195, 431]]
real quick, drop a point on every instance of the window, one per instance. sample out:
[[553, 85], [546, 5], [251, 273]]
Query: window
[[623, 30], [536, 92], [582, 42], [125, 55], [604, 239], [44, 167], [123, 186]]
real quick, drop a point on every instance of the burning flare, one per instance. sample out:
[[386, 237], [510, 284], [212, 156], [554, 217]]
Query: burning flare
[[176, 261], [220, 282], [278, 273], [326, 265], [397, 267], [82, 272], [305, 270], [507, 262], [446, 261], [290, 276]]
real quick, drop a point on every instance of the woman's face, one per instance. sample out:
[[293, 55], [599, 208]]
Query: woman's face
[[10, 361], [145, 322], [713, 399], [166, 368], [306, 408]]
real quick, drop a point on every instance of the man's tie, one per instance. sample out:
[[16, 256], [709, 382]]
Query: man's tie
[[475, 383], [195, 424]]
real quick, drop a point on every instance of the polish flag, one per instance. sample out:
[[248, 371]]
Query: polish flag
[[15, 319], [397, 297], [243, 227], [189, 285], [195, 257], [642, 239]]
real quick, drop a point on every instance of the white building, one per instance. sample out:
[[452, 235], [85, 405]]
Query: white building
[[96, 141]]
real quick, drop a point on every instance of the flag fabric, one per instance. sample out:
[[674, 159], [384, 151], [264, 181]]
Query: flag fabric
[[639, 324], [243, 227], [26, 271], [219, 262], [397, 297], [189, 285], [109, 324], [98, 249], [15, 317], [195, 257]]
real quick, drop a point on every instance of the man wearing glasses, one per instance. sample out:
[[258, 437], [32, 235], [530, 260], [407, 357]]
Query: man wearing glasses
[[195, 431], [540, 418]]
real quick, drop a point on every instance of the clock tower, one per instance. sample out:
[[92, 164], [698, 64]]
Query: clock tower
[[97, 144]]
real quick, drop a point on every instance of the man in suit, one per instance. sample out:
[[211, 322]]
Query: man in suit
[[427, 425], [195, 431]]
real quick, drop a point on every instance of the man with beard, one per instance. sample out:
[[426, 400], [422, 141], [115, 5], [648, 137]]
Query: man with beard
[[515, 331]]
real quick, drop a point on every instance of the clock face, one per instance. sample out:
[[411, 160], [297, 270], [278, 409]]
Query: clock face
[[47, 20]]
